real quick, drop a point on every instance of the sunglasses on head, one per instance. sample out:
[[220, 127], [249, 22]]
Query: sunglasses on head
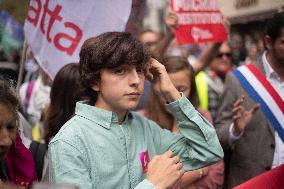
[[220, 55]]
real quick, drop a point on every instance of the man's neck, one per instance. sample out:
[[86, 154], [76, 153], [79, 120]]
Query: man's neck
[[121, 116], [119, 112], [278, 67]]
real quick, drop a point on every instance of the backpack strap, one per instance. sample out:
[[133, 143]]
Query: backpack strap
[[38, 150]]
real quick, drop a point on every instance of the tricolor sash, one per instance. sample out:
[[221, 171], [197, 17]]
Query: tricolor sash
[[262, 92]]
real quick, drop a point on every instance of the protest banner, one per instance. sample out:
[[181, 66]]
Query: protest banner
[[56, 30], [272, 179], [198, 21]]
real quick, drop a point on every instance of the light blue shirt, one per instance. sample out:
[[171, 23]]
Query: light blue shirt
[[94, 152]]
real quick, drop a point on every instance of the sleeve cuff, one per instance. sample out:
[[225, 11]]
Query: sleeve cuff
[[179, 105], [145, 184], [233, 137]]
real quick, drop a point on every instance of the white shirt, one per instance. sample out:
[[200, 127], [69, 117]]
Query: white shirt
[[38, 100], [278, 85]]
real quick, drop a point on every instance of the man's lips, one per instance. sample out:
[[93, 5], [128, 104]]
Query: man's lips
[[133, 94]]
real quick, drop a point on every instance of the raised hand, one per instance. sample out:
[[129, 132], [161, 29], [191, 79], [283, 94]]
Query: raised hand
[[241, 117], [171, 22], [162, 84], [164, 170]]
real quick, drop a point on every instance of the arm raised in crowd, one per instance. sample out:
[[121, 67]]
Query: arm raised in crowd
[[204, 146], [171, 22], [204, 59]]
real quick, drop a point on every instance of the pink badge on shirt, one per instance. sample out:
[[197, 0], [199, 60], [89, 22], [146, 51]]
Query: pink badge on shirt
[[144, 159]]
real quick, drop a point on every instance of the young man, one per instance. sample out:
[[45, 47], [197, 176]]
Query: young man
[[105, 145], [254, 137]]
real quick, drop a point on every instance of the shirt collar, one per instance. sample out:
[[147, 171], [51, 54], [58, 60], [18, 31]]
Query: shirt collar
[[100, 116], [269, 72]]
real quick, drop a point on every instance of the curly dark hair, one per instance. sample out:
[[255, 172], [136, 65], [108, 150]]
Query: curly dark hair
[[109, 51], [274, 26]]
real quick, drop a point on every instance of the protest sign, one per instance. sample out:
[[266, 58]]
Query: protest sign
[[198, 21], [56, 30]]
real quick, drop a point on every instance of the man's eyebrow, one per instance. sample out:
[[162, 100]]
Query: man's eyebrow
[[124, 66]]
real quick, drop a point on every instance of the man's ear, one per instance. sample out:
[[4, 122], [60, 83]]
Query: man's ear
[[96, 86], [267, 41]]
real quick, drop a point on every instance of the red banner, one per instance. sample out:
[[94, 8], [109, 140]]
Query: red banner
[[198, 21], [273, 179]]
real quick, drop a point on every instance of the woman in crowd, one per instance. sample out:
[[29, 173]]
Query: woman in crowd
[[17, 164], [182, 76], [65, 91]]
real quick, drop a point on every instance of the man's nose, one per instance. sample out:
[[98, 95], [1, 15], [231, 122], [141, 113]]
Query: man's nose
[[134, 77]]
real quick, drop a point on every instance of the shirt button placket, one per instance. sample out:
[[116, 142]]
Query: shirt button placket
[[125, 144]]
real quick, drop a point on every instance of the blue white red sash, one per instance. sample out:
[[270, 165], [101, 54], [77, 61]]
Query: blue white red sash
[[262, 92]]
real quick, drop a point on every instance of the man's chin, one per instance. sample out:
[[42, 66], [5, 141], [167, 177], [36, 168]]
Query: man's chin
[[132, 106]]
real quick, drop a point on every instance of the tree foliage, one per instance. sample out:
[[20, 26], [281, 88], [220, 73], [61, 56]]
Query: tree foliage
[[17, 8]]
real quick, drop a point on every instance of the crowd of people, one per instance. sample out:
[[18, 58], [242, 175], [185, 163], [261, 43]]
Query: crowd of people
[[145, 112]]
